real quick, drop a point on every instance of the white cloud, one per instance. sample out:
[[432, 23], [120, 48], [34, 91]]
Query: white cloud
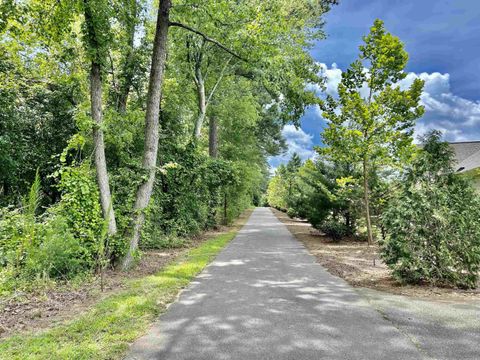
[[298, 141], [422, 128], [332, 76], [458, 118]]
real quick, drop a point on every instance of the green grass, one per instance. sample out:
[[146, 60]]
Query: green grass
[[106, 331]]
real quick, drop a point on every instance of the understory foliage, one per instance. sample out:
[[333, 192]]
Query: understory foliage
[[432, 222], [322, 192], [223, 106], [40, 247]]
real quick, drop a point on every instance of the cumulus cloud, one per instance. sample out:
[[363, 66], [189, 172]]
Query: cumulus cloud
[[458, 118], [298, 141], [332, 76]]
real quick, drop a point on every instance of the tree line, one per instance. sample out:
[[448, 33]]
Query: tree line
[[125, 124], [370, 181]]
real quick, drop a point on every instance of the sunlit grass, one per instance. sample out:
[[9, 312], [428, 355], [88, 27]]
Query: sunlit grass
[[106, 331]]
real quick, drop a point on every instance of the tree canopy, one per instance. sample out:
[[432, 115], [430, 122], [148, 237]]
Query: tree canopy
[[157, 121]]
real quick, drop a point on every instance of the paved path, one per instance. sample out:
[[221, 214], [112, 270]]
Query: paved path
[[442, 330], [265, 297]]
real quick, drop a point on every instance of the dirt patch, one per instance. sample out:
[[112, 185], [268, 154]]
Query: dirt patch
[[47, 307], [354, 262]]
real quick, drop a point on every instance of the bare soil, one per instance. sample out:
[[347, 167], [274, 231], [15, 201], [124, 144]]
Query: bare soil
[[46, 307], [354, 262]]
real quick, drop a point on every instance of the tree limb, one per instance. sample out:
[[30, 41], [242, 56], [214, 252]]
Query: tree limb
[[218, 80], [207, 38]]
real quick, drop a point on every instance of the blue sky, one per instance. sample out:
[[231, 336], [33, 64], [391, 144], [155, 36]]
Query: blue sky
[[442, 38]]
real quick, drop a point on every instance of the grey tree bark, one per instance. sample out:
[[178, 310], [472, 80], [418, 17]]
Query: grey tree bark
[[204, 101], [100, 160], [97, 116], [154, 95]]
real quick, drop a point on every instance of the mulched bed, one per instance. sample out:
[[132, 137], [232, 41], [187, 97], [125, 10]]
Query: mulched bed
[[354, 262]]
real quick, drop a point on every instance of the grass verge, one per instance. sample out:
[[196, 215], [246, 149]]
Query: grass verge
[[106, 331]]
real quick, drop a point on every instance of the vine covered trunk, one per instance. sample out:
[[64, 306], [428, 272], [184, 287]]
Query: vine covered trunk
[[97, 116], [100, 160], [149, 162]]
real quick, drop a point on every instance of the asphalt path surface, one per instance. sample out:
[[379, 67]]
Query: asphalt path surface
[[265, 297]]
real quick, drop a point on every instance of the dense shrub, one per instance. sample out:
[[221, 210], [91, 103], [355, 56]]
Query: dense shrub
[[334, 229], [80, 207], [36, 247], [58, 255], [12, 236], [292, 213], [433, 232], [195, 192], [317, 190], [183, 196], [276, 192]]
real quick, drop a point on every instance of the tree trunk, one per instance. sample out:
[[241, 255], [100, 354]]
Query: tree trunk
[[149, 161], [202, 102], [100, 160], [367, 202], [213, 137], [126, 84], [212, 151], [97, 116]]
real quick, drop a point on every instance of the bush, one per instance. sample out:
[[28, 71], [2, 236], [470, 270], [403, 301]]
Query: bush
[[12, 236], [433, 232], [60, 244], [264, 201], [334, 229], [59, 254], [80, 206], [40, 251], [292, 213]]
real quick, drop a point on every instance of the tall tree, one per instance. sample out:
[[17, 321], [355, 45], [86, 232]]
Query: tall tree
[[267, 44], [96, 38], [196, 57], [431, 221], [292, 169], [371, 122], [154, 96]]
